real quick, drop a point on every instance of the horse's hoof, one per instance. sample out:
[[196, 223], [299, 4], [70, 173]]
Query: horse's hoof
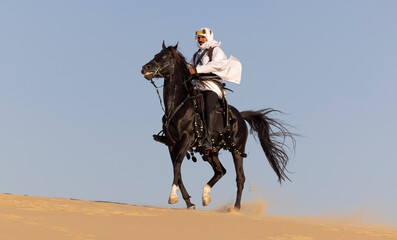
[[233, 210], [206, 200], [173, 199], [193, 207]]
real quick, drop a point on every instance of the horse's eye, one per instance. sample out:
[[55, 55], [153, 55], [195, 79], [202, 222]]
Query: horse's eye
[[165, 56]]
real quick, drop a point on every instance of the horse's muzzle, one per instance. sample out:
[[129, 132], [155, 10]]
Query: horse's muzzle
[[147, 72]]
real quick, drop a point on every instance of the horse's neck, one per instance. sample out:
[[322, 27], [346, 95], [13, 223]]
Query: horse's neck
[[174, 94]]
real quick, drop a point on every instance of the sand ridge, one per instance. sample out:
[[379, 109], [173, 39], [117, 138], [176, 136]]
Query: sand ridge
[[29, 217]]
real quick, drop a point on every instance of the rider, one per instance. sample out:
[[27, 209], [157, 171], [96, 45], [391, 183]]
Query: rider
[[210, 65]]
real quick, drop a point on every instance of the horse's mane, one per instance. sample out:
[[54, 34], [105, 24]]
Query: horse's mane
[[182, 65]]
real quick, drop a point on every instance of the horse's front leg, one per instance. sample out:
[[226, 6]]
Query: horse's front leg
[[178, 153]]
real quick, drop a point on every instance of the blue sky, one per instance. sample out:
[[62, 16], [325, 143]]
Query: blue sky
[[77, 116]]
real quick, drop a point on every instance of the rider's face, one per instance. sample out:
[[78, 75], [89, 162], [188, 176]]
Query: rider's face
[[201, 39]]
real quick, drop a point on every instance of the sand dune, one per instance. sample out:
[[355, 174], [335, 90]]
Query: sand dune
[[42, 218]]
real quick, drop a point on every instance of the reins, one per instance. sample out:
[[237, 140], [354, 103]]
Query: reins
[[180, 105], [158, 94]]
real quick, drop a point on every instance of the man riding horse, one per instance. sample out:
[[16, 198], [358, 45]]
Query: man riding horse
[[182, 125], [209, 66]]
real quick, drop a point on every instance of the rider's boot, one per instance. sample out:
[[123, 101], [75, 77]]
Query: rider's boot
[[159, 138]]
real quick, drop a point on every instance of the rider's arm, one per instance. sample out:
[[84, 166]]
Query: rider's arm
[[217, 63]]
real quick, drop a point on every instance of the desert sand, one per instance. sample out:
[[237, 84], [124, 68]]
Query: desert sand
[[44, 218]]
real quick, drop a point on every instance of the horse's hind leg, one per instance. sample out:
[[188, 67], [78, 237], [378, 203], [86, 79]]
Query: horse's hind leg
[[219, 171], [240, 178]]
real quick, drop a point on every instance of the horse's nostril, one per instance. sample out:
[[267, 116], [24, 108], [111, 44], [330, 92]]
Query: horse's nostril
[[147, 67]]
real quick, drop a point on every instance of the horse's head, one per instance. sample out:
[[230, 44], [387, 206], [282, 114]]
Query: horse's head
[[163, 63]]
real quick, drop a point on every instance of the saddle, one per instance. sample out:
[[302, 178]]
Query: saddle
[[221, 109]]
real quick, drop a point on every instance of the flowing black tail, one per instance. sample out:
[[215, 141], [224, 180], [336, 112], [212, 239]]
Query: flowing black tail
[[274, 149]]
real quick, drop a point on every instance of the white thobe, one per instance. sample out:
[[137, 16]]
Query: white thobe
[[227, 69]]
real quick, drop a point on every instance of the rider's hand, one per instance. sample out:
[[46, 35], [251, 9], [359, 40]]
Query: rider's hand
[[192, 71]]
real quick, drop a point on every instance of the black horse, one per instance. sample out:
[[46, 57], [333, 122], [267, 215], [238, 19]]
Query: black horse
[[180, 133]]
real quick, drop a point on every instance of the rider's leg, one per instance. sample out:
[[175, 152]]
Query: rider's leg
[[210, 99]]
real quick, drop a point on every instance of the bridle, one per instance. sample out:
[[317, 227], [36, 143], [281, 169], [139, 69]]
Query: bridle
[[159, 69]]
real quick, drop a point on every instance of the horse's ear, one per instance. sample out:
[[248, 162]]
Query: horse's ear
[[164, 47], [176, 46]]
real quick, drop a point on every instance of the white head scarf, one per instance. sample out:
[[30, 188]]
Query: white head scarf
[[207, 33]]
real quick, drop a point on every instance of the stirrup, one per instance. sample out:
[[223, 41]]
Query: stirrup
[[160, 138]]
